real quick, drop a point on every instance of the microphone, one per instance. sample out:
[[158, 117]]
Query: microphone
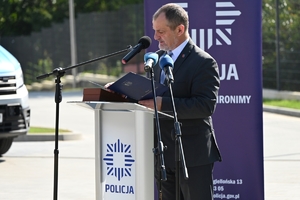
[[150, 60], [143, 43], [166, 63]]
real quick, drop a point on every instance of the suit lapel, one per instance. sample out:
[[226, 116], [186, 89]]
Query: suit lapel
[[183, 55]]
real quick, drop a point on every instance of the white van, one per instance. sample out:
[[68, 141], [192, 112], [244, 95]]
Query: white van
[[14, 101]]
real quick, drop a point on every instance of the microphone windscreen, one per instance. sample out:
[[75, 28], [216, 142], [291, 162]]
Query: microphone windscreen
[[145, 42], [165, 61], [151, 55]]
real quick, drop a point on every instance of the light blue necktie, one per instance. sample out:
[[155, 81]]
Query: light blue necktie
[[162, 74]]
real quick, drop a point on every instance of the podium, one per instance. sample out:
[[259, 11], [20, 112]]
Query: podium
[[123, 150]]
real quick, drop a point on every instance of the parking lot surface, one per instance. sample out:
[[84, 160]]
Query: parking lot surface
[[27, 170]]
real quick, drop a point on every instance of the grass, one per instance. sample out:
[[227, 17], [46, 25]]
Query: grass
[[43, 130], [282, 103]]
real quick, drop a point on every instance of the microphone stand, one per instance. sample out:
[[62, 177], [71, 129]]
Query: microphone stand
[[179, 154], [159, 150], [59, 72]]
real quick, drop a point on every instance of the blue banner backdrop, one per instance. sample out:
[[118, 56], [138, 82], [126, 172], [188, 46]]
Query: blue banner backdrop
[[231, 32]]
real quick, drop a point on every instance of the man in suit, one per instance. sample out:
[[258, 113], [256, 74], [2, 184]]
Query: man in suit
[[195, 90]]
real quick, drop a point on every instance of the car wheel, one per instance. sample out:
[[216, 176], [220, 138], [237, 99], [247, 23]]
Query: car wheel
[[5, 144]]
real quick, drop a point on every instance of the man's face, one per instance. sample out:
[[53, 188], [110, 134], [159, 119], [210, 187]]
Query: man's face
[[166, 37]]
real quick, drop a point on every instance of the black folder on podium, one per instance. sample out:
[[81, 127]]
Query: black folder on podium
[[137, 87]]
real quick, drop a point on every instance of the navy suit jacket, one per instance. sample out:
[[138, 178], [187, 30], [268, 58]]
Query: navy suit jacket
[[195, 90]]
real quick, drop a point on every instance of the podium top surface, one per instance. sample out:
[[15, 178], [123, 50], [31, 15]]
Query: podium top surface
[[116, 106]]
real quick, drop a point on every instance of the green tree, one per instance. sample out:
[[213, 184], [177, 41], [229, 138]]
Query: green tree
[[289, 43], [21, 17], [102, 5]]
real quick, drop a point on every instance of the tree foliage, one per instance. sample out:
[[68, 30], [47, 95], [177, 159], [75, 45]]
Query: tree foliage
[[288, 41], [21, 17]]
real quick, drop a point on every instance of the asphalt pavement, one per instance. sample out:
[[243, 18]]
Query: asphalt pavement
[[26, 171]]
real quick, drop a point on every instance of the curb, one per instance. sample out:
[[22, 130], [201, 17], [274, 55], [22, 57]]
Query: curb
[[47, 137], [282, 111]]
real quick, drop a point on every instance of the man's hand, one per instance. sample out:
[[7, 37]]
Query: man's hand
[[107, 85], [150, 103]]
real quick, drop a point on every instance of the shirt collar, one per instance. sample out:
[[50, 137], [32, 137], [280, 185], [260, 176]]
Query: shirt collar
[[178, 50]]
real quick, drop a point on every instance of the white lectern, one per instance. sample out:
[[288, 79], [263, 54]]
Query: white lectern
[[124, 157]]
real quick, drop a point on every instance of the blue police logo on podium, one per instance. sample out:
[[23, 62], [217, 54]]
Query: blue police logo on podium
[[119, 160]]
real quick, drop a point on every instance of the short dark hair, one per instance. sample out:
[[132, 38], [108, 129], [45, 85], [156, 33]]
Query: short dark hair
[[175, 15]]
